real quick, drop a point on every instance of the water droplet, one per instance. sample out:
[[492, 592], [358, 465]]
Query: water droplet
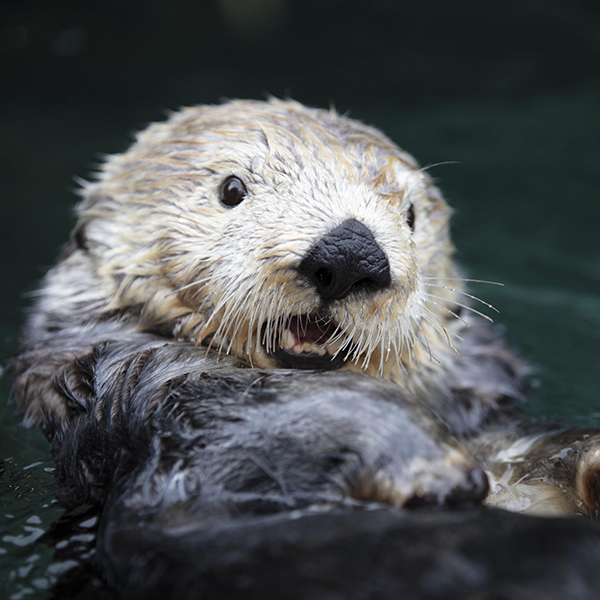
[[35, 464]]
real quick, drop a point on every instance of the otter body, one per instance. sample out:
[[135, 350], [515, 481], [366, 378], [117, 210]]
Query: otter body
[[178, 355]]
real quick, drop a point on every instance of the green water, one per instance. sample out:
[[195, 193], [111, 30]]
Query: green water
[[511, 93]]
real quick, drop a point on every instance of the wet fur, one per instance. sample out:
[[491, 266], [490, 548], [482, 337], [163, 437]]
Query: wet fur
[[123, 360]]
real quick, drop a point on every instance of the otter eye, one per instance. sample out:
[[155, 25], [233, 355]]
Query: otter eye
[[233, 191], [410, 217]]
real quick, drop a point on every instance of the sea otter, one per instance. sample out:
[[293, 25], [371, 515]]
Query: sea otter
[[285, 237], [178, 353]]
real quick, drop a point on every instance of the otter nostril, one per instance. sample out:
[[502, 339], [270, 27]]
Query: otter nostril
[[323, 277]]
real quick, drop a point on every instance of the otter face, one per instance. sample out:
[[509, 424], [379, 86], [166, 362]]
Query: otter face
[[285, 236]]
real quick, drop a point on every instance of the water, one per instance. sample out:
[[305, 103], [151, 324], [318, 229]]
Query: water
[[521, 120], [27, 509]]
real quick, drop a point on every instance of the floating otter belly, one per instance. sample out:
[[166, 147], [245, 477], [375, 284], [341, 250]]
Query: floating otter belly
[[176, 354]]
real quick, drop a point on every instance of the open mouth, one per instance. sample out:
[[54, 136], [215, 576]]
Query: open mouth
[[309, 342]]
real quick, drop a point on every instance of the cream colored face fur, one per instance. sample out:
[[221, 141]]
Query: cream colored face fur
[[169, 256]]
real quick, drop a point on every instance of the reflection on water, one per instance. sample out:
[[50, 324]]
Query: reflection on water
[[38, 544], [27, 509]]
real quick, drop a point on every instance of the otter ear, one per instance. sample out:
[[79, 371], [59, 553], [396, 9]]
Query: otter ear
[[78, 239]]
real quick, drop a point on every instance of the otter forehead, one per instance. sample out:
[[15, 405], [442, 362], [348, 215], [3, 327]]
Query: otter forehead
[[283, 143]]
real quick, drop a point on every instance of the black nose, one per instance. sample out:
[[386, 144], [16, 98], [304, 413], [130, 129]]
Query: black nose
[[346, 260]]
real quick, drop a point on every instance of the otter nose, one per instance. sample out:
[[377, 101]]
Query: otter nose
[[345, 260]]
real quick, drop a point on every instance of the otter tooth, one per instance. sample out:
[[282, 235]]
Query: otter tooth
[[288, 339], [313, 349]]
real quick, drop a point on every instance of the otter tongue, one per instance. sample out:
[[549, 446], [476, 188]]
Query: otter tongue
[[309, 331]]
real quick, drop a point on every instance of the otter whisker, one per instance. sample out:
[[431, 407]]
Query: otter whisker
[[346, 339], [381, 362], [259, 317], [411, 350], [461, 279], [465, 306], [451, 332], [208, 348], [221, 333], [235, 310], [429, 322], [444, 287], [299, 314], [420, 335], [336, 336], [369, 346], [268, 319], [388, 348], [249, 341], [238, 323], [274, 326], [439, 164], [427, 344], [400, 353], [437, 327], [213, 315], [224, 320], [380, 344], [281, 322], [451, 312], [358, 347]]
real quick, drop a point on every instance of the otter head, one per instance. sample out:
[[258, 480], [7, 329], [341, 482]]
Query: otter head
[[283, 235]]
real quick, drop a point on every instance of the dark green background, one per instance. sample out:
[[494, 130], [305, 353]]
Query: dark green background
[[510, 90]]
